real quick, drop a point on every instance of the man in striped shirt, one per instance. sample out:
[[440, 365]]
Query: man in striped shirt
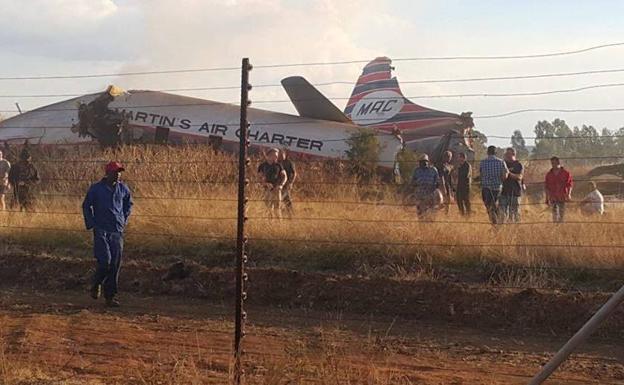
[[493, 172]]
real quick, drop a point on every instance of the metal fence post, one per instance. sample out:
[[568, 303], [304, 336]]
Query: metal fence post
[[241, 239], [583, 334]]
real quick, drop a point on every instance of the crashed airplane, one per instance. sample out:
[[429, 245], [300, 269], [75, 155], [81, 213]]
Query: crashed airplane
[[115, 117]]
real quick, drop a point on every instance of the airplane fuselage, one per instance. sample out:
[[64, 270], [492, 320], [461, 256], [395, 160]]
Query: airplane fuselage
[[152, 116]]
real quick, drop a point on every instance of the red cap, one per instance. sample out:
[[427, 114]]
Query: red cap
[[113, 166]]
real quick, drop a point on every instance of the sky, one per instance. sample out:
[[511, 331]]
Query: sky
[[74, 37]]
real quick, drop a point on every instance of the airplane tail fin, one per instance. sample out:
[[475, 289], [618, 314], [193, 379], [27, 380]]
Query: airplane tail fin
[[376, 95], [377, 101]]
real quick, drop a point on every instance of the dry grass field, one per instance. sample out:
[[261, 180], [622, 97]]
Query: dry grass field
[[353, 290], [185, 204]]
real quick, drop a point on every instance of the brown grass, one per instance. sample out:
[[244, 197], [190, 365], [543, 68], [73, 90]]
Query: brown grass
[[363, 242]]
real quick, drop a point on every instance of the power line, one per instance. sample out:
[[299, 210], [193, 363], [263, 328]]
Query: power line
[[516, 112], [352, 83], [308, 64], [513, 77], [438, 96], [443, 58], [107, 75]]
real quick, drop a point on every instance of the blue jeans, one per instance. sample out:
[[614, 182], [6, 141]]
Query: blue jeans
[[108, 248], [490, 199], [510, 208]]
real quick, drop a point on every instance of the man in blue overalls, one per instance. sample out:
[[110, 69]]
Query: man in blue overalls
[[106, 210]]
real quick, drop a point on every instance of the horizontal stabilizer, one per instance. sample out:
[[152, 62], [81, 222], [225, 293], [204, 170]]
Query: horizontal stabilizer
[[310, 103]]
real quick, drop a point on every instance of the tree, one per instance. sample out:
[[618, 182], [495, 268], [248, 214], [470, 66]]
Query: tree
[[553, 138], [407, 160], [518, 143], [364, 151], [544, 133], [619, 141], [479, 144]]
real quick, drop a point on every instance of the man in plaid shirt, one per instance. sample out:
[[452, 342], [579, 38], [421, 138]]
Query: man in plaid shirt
[[493, 172], [425, 180]]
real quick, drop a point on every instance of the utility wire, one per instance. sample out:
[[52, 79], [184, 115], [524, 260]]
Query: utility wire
[[309, 64], [433, 96], [352, 83], [445, 58]]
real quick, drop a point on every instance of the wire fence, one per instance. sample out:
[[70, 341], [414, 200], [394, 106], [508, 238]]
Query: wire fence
[[341, 222]]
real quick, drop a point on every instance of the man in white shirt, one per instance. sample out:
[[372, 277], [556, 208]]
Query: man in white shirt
[[593, 203], [5, 167]]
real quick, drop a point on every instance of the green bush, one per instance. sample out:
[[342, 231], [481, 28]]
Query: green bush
[[364, 151]]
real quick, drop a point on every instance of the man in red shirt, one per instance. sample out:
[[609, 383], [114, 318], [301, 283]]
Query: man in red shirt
[[558, 189]]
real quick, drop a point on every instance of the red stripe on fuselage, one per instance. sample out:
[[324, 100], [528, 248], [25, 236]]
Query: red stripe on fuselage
[[411, 125]]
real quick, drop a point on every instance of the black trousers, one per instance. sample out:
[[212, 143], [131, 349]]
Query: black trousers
[[462, 197], [490, 199]]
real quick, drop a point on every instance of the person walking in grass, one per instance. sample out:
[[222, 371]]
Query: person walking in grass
[[275, 178], [462, 189], [106, 208], [444, 172], [558, 189], [493, 172], [291, 176], [512, 188], [23, 177], [5, 167], [425, 181]]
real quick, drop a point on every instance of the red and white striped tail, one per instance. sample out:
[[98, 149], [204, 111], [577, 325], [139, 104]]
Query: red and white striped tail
[[377, 101]]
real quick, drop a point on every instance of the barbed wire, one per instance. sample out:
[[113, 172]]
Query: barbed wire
[[130, 232], [320, 202], [331, 219], [304, 161], [344, 242], [301, 182]]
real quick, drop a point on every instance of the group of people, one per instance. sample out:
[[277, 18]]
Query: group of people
[[108, 203], [502, 185], [277, 173], [21, 178]]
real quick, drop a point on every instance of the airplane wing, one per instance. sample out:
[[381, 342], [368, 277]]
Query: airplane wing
[[310, 102]]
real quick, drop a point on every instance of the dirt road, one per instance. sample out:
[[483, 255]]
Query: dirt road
[[68, 338]]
